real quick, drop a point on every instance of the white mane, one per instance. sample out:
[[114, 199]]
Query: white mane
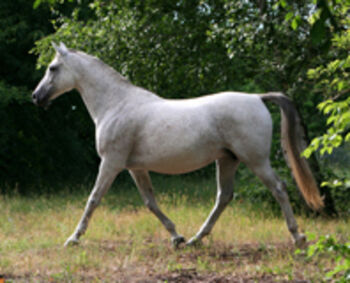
[[106, 69]]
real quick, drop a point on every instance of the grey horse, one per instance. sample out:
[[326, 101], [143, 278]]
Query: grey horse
[[141, 132]]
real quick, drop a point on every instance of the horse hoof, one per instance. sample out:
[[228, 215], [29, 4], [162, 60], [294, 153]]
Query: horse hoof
[[194, 242], [300, 242], [177, 241], [71, 241]]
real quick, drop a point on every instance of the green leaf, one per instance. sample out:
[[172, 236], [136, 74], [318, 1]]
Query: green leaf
[[312, 73], [36, 4], [323, 104], [289, 16], [341, 85], [294, 24], [347, 137], [329, 150], [314, 17], [283, 3], [307, 152], [332, 66], [324, 184], [328, 108], [331, 119]]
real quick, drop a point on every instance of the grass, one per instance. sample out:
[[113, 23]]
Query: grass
[[126, 243]]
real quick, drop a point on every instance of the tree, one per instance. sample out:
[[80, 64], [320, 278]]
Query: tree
[[30, 151], [182, 49], [332, 83]]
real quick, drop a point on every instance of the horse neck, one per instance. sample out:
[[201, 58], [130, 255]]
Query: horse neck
[[103, 89]]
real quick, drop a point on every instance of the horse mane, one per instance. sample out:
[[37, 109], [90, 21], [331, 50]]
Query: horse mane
[[105, 67]]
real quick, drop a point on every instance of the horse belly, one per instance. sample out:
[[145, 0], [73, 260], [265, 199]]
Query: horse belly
[[174, 158]]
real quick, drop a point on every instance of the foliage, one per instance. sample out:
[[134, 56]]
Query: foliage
[[279, 45], [331, 79], [21, 26], [160, 46], [177, 49], [37, 155], [335, 251], [338, 122], [31, 152]]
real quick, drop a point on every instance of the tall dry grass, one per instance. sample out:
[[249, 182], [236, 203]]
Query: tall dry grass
[[125, 241]]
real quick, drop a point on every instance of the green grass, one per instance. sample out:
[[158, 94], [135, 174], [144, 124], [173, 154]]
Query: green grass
[[126, 243]]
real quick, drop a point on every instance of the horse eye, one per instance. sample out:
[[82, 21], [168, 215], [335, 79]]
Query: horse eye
[[53, 68]]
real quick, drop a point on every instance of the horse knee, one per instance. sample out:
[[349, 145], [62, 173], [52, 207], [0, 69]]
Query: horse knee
[[149, 205], [280, 192], [225, 198], [93, 202]]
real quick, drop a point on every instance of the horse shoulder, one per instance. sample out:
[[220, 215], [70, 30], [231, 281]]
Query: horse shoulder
[[113, 135]]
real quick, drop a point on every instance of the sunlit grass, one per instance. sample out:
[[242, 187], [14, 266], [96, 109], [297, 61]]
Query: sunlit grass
[[124, 240]]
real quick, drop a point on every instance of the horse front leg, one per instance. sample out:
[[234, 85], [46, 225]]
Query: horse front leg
[[225, 170], [144, 185], [106, 175]]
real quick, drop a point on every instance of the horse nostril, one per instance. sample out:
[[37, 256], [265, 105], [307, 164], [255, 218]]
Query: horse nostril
[[34, 96]]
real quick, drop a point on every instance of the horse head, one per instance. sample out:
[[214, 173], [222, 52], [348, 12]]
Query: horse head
[[58, 79]]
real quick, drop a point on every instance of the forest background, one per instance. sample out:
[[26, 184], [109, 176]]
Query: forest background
[[178, 49]]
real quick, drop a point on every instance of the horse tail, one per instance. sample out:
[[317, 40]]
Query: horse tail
[[292, 145]]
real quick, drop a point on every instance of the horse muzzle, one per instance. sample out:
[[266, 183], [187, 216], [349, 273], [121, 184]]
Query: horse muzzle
[[41, 98]]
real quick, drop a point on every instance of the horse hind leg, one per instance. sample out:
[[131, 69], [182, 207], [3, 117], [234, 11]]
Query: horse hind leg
[[278, 189], [225, 170], [144, 185]]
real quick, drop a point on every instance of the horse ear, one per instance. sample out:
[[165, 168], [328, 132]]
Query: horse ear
[[54, 45], [62, 49]]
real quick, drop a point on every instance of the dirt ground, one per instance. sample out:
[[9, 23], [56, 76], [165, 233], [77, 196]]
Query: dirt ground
[[178, 276], [248, 254]]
